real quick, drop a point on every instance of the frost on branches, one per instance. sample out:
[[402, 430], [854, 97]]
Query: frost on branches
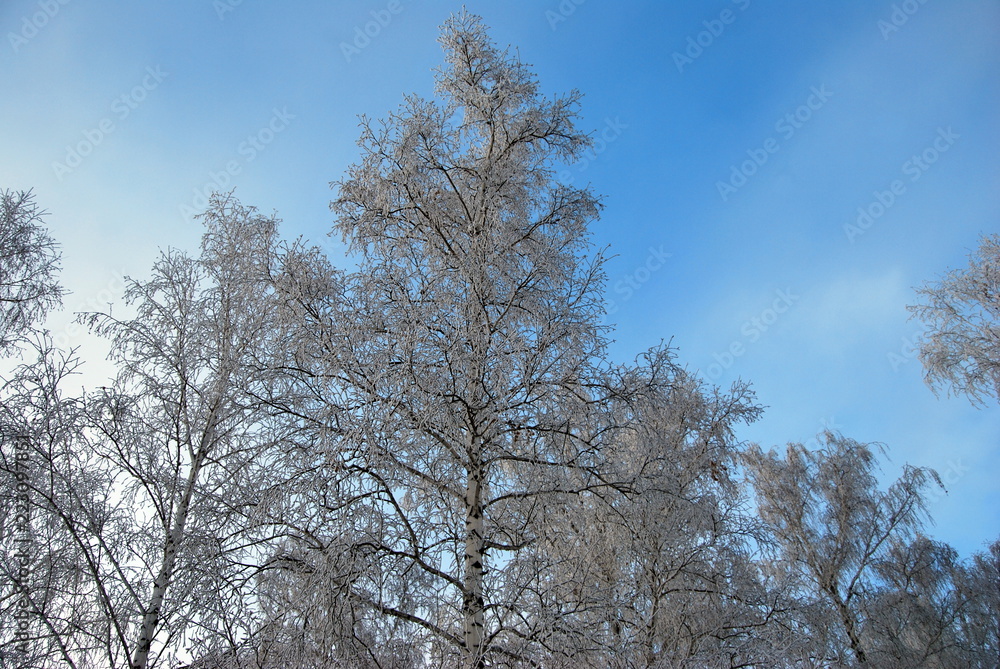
[[430, 461], [465, 377], [29, 260], [961, 350]]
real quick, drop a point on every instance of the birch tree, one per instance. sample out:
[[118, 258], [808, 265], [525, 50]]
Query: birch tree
[[463, 357], [686, 585], [188, 424], [961, 349], [648, 573], [980, 624], [35, 420], [660, 569], [42, 606], [833, 526], [914, 615], [155, 499], [29, 262]]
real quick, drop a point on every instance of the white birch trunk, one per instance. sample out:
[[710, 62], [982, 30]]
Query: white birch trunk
[[151, 618], [472, 604]]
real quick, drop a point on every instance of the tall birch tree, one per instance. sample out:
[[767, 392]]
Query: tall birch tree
[[463, 356], [35, 419], [153, 498], [188, 425]]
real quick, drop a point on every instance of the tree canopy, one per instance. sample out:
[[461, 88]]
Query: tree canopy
[[431, 460]]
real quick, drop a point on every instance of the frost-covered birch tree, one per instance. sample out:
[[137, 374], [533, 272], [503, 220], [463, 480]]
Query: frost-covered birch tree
[[155, 497], [658, 570], [914, 615], [188, 425], [833, 526], [42, 607], [686, 587], [980, 622], [29, 261], [35, 418], [961, 349], [462, 357]]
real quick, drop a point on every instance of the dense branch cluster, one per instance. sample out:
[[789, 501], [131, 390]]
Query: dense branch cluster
[[430, 461], [29, 262]]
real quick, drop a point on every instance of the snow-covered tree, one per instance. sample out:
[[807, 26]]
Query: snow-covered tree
[[961, 349], [35, 420], [29, 261], [42, 605], [979, 634], [833, 527], [658, 570], [463, 359], [155, 498], [188, 425], [913, 614]]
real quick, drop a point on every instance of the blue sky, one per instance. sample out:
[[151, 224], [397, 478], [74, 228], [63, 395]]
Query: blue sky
[[738, 141]]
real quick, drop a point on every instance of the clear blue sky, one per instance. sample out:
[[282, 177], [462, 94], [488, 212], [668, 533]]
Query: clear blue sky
[[836, 106]]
